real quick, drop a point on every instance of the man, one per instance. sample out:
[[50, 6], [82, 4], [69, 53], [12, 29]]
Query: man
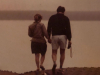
[[59, 25]]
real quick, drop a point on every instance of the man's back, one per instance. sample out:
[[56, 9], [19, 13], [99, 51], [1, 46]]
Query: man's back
[[59, 25]]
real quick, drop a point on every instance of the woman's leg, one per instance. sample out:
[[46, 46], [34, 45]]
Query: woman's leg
[[42, 59], [37, 55], [43, 51]]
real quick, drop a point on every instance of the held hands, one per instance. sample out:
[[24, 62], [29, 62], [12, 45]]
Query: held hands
[[49, 40]]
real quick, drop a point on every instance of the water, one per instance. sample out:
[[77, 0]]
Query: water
[[15, 51]]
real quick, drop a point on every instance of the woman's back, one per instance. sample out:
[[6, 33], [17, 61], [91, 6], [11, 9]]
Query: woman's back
[[37, 31]]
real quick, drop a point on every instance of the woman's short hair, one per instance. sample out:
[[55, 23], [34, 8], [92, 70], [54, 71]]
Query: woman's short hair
[[37, 17], [61, 9]]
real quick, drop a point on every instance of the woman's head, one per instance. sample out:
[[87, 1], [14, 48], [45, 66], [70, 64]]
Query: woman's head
[[37, 17]]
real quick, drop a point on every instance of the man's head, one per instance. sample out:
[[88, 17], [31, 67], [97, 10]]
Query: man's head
[[60, 9]]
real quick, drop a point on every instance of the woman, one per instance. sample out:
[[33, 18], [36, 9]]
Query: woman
[[37, 31]]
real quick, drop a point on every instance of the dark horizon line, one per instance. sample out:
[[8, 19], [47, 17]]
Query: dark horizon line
[[28, 15]]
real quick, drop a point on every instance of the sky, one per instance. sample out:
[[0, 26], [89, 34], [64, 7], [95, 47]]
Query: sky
[[50, 5]]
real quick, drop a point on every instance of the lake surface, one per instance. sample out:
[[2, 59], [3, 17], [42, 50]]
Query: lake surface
[[15, 51]]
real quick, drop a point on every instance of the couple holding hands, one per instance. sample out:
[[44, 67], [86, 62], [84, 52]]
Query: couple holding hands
[[59, 27]]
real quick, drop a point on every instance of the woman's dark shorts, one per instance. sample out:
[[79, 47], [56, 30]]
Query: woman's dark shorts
[[38, 48]]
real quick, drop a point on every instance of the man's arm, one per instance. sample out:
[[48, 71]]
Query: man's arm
[[49, 27], [69, 35]]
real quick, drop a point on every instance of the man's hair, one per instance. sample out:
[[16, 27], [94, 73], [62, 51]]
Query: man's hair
[[61, 9]]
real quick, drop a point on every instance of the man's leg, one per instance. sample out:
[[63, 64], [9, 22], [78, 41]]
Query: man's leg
[[63, 42], [54, 56], [37, 55], [55, 46], [62, 57]]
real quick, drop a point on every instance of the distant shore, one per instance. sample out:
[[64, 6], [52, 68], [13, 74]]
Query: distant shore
[[28, 15]]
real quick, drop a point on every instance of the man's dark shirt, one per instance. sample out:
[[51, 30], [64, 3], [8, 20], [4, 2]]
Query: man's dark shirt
[[59, 24]]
